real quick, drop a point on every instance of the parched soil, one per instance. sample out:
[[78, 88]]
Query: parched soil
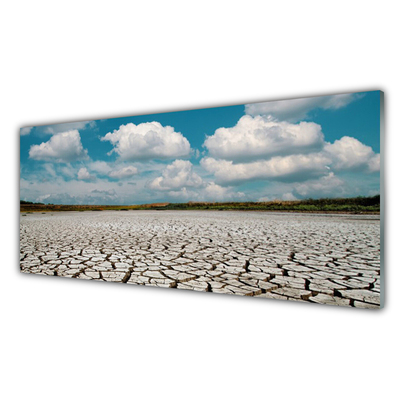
[[326, 259]]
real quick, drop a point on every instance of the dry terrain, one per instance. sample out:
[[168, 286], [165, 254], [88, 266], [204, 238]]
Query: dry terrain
[[326, 259]]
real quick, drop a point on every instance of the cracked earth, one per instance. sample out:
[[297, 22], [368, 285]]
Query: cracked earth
[[326, 259]]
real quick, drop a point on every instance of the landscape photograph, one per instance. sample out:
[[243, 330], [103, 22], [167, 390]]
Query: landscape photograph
[[275, 200]]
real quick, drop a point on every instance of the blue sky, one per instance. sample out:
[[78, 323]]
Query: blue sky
[[326, 146]]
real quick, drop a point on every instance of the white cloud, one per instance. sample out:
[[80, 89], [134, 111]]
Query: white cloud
[[289, 197], [294, 167], [93, 197], [124, 172], [109, 169], [68, 171], [256, 137], [77, 191], [214, 192], [349, 153], [298, 109], [181, 183], [83, 174], [100, 167], [327, 186], [50, 169], [25, 131], [110, 192], [147, 141], [69, 126], [265, 199], [179, 174], [63, 147], [210, 192], [259, 149], [374, 163]]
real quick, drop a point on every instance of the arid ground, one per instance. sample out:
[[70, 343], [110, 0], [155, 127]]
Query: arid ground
[[326, 259]]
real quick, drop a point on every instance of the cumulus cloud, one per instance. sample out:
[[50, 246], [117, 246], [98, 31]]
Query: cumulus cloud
[[68, 171], [49, 168], [214, 192], [93, 197], [289, 197], [350, 153], [124, 172], [63, 147], [179, 182], [374, 163], [25, 131], [179, 174], [293, 167], [84, 175], [110, 192], [265, 199], [69, 126], [109, 169], [256, 137], [210, 192], [146, 141], [101, 167], [77, 191], [298, 109], [260, 149], [326, 186]]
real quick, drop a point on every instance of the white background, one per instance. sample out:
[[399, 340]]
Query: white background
[[68, 339]]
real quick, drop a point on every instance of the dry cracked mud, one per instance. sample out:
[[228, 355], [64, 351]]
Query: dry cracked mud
[[326, 259]]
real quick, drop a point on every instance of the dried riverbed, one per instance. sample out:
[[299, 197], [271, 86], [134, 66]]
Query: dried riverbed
[[327, 259]]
